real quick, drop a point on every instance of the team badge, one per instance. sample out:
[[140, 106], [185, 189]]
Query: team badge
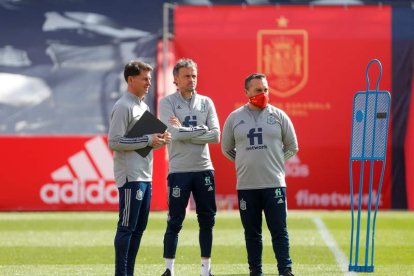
[[176, 192], [282, 54], [202, 108], [139, 195], [207, 180], [243, 205], [271, 119]]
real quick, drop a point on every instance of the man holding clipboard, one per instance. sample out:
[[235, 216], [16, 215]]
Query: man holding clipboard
[[133, 133]]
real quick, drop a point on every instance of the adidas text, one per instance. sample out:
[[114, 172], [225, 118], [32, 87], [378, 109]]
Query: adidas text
[[97, 192]]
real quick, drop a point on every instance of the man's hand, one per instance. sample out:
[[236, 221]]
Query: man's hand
[[167, 137], [160, 139], [157, 140], [174, 121]]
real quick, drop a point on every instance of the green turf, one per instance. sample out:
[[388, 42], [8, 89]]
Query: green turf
[[66, 243]]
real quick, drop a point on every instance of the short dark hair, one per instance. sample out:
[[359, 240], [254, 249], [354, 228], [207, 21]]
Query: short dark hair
[[250, 77], [135, 67], [184, 62]]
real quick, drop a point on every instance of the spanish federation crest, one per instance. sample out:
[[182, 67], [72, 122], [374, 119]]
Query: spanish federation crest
[[243, 205], [282, 55], [271, 119], [176, 192], [139, 195]]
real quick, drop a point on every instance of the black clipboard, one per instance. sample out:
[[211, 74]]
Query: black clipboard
[[147, 124]]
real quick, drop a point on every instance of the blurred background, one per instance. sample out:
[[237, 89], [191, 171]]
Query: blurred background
[[61, 65]]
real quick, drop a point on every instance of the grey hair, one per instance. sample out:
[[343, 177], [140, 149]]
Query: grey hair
[[184, 62]]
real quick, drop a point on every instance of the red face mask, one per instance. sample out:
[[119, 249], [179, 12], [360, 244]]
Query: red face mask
[[260, 100]]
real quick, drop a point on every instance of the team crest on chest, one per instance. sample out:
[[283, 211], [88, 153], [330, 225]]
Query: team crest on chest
[[202, 108], [176, 192], [271, 119], [139, 195], [243, 205]]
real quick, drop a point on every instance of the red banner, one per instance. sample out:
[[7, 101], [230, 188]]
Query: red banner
[[315, 59], [65, 173]]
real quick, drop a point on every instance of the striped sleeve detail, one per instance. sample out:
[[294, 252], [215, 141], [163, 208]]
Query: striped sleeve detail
[[212, 136], [192, 129], [231, 154], [289, 154], [134, 140]]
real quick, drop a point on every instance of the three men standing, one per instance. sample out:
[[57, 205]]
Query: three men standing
[[258, 137]]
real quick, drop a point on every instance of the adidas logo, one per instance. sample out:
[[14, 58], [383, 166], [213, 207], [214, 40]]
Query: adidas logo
[[294, 167], [280, 201], [179, 107], [239, 123], [87, 178], [210, 189]]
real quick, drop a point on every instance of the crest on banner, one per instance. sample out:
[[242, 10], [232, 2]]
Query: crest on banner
[[282, 55]]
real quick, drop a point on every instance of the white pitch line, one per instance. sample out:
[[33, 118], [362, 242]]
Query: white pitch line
[[330, 242]]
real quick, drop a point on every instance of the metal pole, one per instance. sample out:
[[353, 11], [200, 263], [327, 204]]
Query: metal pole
[[165, 38]]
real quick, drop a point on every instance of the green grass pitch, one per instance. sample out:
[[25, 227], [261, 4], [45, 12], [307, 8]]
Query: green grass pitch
[[81, 243]]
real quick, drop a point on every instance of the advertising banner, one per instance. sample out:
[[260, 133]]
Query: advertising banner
[[315, 60], [65, 173]]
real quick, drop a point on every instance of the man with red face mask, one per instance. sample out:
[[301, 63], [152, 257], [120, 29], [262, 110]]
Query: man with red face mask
[[259, 138]]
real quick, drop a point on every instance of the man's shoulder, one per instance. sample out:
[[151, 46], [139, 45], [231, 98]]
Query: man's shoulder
[[203, 97], [240, 109], [276, 110], [238, 112], [123, 101], [169, 98]]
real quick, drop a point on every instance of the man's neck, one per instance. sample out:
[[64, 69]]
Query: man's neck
[[187, 95], [141, 97], [253, 107]]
